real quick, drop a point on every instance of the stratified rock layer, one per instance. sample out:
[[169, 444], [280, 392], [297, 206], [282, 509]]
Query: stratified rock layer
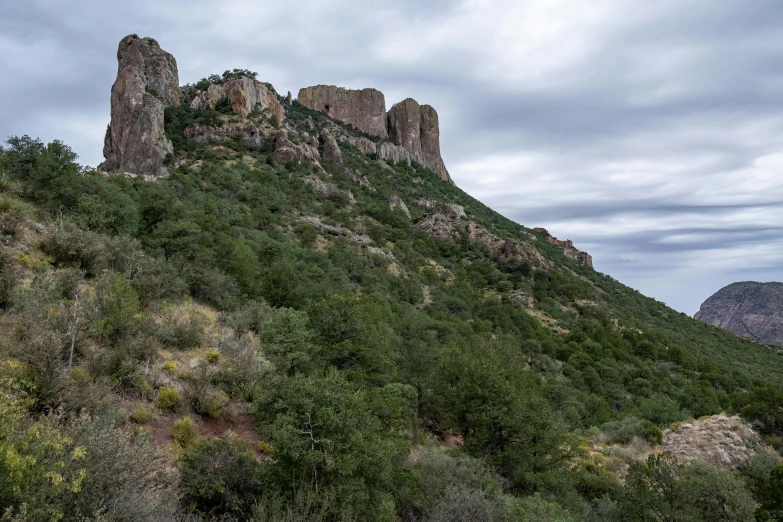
[[147, 82], [365, 109], [750, 309]]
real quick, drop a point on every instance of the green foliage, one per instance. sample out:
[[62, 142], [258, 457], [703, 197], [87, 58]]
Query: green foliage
[[624, 431], [183, 432], [662, 489], [220, 477], [168, 398]]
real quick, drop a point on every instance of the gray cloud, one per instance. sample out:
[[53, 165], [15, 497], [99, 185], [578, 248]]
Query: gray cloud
[[650, 133]]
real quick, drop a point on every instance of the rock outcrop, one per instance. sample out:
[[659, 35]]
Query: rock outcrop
[[326, 190], [251, 133], [244, 94], [286, 150], [332, 152], [750, 309], [568, 248], [415, 128], [147, 82], [396, 203], [365, 109], [447, 228]]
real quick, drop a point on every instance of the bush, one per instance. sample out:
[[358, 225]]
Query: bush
[[184, 431], [220, 477], [168, 398], [213, 356], [623, 431], [141, 414]]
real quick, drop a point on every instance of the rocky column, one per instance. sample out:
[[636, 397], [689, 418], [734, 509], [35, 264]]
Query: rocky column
[[147, 82]]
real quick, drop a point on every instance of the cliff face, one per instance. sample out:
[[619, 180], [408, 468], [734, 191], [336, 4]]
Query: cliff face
[[147, 81], [243, 94], [749, 309], [365, 109], [413, 129]]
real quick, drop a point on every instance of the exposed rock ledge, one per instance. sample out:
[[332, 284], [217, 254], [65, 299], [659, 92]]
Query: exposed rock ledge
[[568, 248]]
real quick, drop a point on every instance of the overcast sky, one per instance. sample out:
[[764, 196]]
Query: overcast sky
[[648, 132]]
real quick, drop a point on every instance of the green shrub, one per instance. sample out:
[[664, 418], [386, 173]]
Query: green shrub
[[213, 356], [184, 431], [141, 414], [168, 398], [623, 431]]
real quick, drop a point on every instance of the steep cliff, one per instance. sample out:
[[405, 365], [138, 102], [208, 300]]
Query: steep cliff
[[415, 128], [147, 81], [750, 309], [243, 94], [365, 109]]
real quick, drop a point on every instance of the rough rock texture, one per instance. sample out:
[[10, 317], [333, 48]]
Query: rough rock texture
[[749, 309], [252, 134], [243, 94], [326, 190], [396, 153], [147, 82], [337, 231], [720, 439], [447, 228], [363, 144], [398, 204], [359, 178], [405, 125], [286, 151], [522, 299], [567, 246], [415, 128], [332, 152], [365, 109]]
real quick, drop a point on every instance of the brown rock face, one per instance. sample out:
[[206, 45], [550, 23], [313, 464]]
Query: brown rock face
[[415, 128], [332, 152], [147, 82], [244, 95], [749, 309], [365, 109]]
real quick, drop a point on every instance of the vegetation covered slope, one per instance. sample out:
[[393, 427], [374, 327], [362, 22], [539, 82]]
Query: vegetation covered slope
[[227, 343]]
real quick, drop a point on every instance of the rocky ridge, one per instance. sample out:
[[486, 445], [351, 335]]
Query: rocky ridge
[[567, 246], [750, 309]]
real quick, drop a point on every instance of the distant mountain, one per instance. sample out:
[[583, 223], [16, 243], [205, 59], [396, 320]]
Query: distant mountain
[[750, 309]]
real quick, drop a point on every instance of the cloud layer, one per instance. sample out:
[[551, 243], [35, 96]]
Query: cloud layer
[[650, 133]]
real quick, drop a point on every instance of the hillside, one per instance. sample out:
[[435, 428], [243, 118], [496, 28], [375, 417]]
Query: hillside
[[256, 311], [752, 310]]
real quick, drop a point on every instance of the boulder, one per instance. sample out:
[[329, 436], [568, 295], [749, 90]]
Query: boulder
[[253, 134], [363, 144], [365, 109], [395, 203], [332, 152], [147, 82]]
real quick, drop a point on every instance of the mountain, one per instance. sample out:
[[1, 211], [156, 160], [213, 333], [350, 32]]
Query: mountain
[[752, 310], [268, 308]]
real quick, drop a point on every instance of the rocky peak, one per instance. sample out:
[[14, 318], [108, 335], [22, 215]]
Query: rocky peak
[[147, 81], [750, 309], [365, 109]]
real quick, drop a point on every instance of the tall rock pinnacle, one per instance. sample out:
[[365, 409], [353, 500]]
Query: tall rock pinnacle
[[365, 109], [415, 127], [147, 82]]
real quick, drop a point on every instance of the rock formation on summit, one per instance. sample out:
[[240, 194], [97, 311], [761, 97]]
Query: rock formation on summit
[[750, 309], [147, 81], [413, 129], [244, 94], [365, 109], [568, 248]]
